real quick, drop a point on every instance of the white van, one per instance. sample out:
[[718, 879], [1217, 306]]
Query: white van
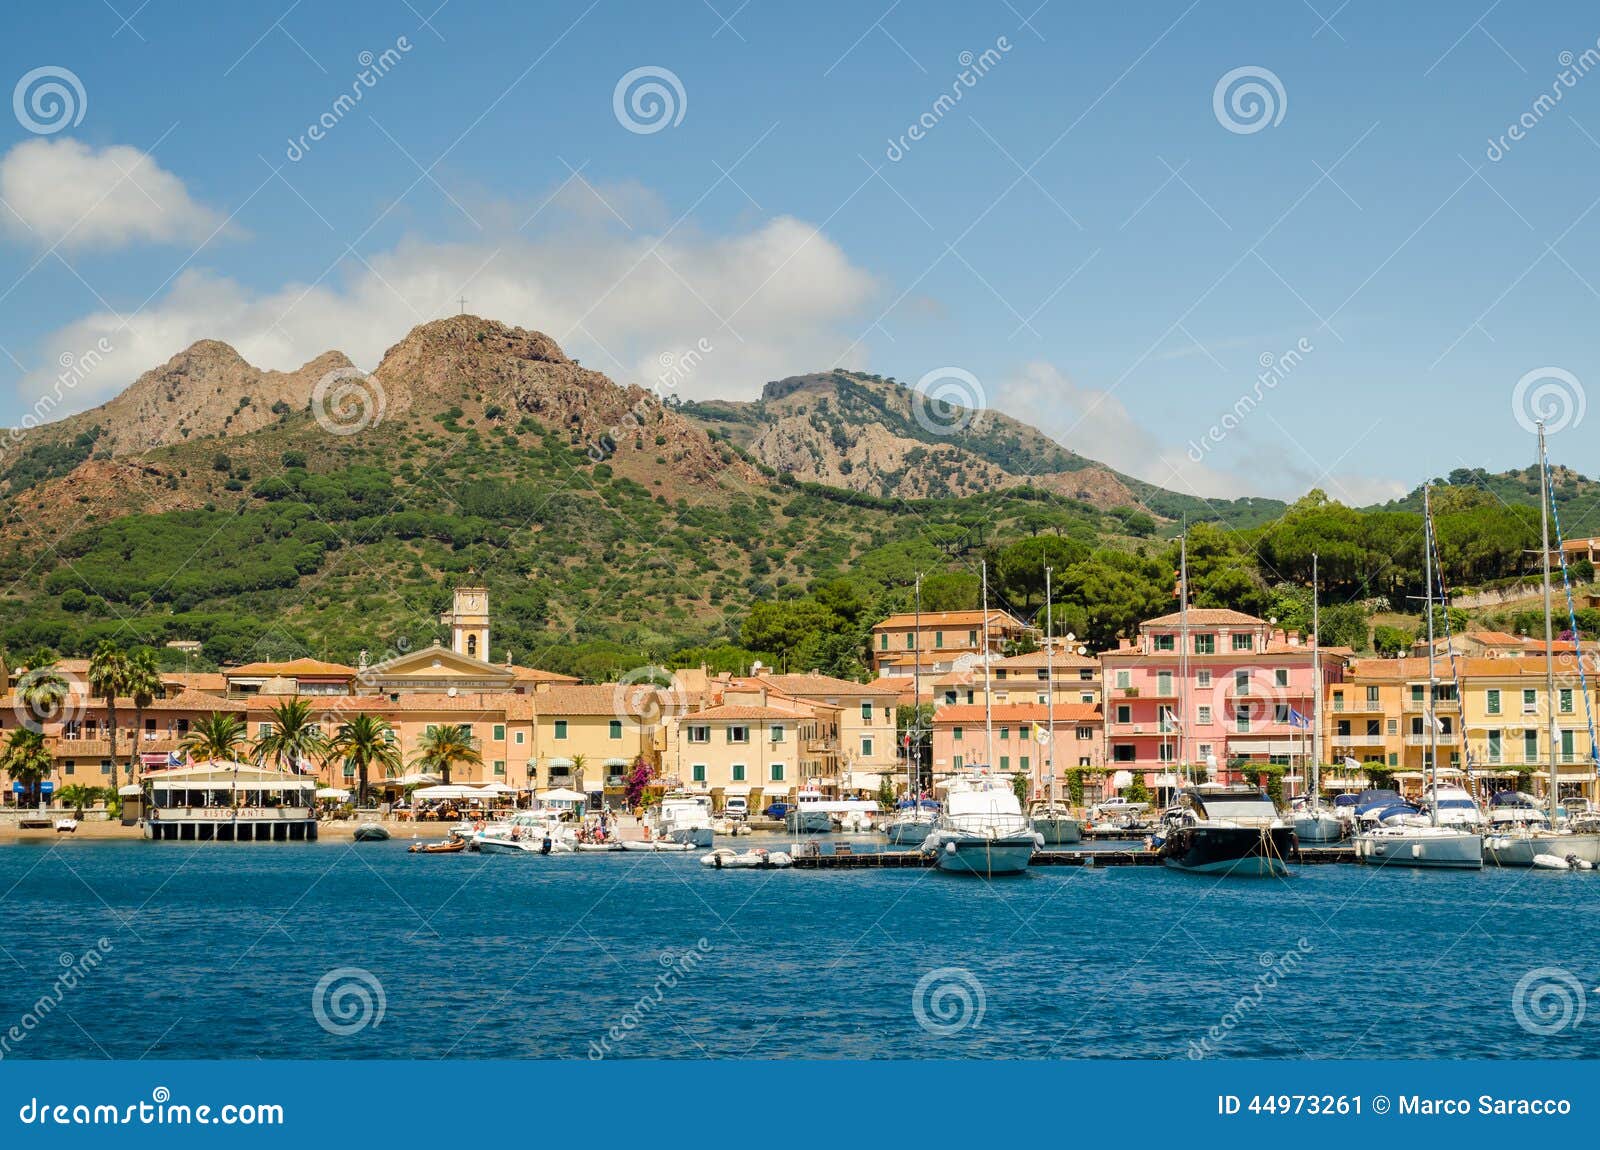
[[736, 807]]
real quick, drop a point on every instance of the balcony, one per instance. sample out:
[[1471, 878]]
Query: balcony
[[1424, 739], [1445, 706], [1357, 740]]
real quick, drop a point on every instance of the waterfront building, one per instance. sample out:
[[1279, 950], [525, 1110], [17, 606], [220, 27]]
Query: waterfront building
[[759, 748], [1233, 695], [939, 639], [1023, 740]]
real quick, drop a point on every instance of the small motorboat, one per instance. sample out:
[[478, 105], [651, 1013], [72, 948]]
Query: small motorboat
[[724, 858], [450, 846], [598, 848], [372, 833], [658, 845], [66, 826]]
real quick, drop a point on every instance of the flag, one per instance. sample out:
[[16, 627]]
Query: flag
[[1351, 764], [1296, 719]]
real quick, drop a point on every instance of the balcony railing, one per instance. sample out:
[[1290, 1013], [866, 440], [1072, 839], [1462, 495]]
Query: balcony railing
[[1424, 739], [1358, 740]]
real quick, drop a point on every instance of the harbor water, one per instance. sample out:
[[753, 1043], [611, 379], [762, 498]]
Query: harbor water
[[364, 951]]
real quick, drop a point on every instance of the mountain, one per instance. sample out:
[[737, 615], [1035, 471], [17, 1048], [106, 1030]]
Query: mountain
[[871, 434]]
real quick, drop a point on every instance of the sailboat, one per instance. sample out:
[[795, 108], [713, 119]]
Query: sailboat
[[1543, 843], [1051, 818], [910, 826], [1410, 841], [982, 829], [1314, 823]]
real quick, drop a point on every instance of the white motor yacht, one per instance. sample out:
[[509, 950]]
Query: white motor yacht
[[982, 830], [685, 817]]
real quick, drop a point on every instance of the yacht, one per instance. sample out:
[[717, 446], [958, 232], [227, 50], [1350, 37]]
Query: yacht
[[1405, 839], [814, 813], [1375, 808], [911, 823], [1055, 824], [1455, 807], [1314, 823], [684, 818], [982, 830], [526, 832], [1225, 829]]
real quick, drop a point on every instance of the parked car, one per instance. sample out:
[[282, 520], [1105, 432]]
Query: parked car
[[736, 807], [777, 810]]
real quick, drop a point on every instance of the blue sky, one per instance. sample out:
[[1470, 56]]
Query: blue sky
[[1081, 231]]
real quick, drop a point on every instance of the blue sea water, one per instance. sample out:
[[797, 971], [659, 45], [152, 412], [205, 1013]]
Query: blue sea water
[[217, 951]]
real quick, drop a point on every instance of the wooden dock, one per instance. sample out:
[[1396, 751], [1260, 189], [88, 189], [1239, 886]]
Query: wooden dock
[[915, 860]]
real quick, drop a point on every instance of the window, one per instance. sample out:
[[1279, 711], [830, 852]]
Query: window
[[1041, 699], [561, 728], [1165, 752], [1122, 753], [1241, 682], [1022, 763], [777, 772], [1530, 702], [1338, 700], [1205, 750], [938, 638], [1492, 700], [738, 772], [777, 732], [1243, 641], [500, 767], [866, 748], [105, 766], [699, 734], [1005, 734], [1494, 746], [883, 640], [911, 641], [958, 761], [1085, 732], [1005, 762], [263, 730], [69, 768], [949, 698], [866, 712], [972, 638], [1164, 643], [1566, 746], [698, 772], [1372, 696], [1241, 721], [1042, 675], [1202, 678], [1086, 697], [1205, 644], [738, 734], [1566, 700], [1530, 746], [472, 646], [1124, 680], [1205, 716], [1164, 684], [1280, 676], [955, 735], [519, 738], [1416, 693], [1280, 713], [499, 732], [615, 729], [1124, 713]]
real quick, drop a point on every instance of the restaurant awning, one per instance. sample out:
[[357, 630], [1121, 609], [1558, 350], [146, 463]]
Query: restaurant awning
[[616, 762], [562, 795], [558, 762], [332, 793]]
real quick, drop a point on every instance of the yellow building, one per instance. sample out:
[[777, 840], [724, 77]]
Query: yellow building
[[760, 751]]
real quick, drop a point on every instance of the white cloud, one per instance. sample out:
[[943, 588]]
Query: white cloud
[[61, 191], [617, 300], [1257, 461]]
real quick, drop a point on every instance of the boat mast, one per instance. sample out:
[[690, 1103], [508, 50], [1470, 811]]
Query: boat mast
[[913, 747], [1549, 641], [1183, 650], [988, 710], [1432, 710], [1050, 696], [1316, 699]]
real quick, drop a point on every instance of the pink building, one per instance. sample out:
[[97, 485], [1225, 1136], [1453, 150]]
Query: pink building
[[1233, 698], [960, 739]]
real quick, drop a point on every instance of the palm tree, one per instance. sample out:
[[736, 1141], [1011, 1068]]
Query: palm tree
[[77, 796], [294, 736], [217, 737], [26, 760], [443, 747], [578, 763], [366, 741], [143, 684], [108, 678], [44, 688]]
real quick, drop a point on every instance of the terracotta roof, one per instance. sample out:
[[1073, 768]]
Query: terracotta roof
[[815, 684], [489, 704], [187, 700], [936, 619], [535, 675], [293, 667], [1018, 713], [741, 711], [197, 680], [1035, 661], [616, 699], [1207, 617]]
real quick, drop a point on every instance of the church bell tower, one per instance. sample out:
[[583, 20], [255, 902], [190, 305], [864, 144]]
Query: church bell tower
[[469, 623]]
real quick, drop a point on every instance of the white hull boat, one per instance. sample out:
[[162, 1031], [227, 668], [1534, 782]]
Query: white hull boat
[[1318, 826], [908, 829], [493, 845], [1524, 849], [658, 846], [685, 818], [1425, 846], [983, 830], [1055, 825], [758, 859]]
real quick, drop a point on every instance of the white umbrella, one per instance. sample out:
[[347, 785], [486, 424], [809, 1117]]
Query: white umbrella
[[563, 795], [496, 789], [415, 779], [332, 793]]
